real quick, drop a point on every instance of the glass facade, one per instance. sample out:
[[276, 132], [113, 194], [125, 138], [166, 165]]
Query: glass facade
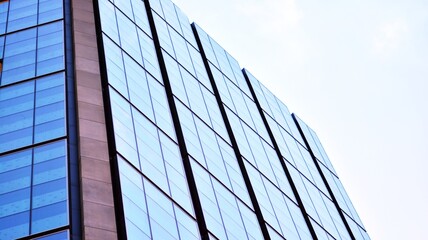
[[321, 159], [155, 194], [34, 198], [199, 148]]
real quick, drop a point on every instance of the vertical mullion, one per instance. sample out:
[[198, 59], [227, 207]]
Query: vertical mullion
[[236, 150], [73, 165], [278, 152], [179, 132], [33, 132]]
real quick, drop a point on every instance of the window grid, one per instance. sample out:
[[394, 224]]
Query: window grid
[[236, 117], [178, 72], [148, 209], [146, 118], [204, 138], [33, 195], [332, 179], [32, 113]]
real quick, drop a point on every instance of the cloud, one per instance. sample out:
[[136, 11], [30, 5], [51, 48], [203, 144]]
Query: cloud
[[390, 36]]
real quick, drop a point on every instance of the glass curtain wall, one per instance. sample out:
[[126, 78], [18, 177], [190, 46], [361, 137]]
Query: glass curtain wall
[[336, 186], [155, 194], [34, 201], [318, 203], [154, 189], [226, 206], [277, 201]]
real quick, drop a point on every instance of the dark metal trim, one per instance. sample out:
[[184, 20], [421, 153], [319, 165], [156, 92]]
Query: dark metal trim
[[43, 234], [75, 218]]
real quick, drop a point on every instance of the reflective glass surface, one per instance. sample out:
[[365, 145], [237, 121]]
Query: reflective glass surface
[[33, 190], [336, 186], [155, 193], [157, 202], [32, 112], [273, 191], [308, 180], [33, 149], [227, 208]]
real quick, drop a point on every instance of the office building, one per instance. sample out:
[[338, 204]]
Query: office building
[[121, 120]]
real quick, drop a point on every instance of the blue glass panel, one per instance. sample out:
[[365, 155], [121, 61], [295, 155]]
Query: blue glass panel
[[50, 90], [1, 48], [50, 108], [20, 52], [14, 180], [42, 186], [49, 163], [128, 37], [170, 14], [15, 161], [16, 139], [321, 233], [19, 56], [4, 6], [16, 115], [125, 7], [187, 227], [15, 202], [20, 42], [49, 151], [49, 10], [151, 160], [49, 195], [175, 171], [163, 33], [115, 68], [50, 48], [139, 93], [16, 99], [156, 5], [175, 78], [140, 16], [161, 212], [151, 63], [208, 201], [108, 20], [161, 107], [49, 170], [48, 192], [124, 128], [56, 236], [15, 226], [48, 217], [22, 14], [134, 202], [134, 232], [185, 27]]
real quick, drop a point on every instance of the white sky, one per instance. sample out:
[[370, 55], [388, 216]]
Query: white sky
[[357, 73]]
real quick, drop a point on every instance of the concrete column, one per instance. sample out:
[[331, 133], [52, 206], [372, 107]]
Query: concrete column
[[98, 214]]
